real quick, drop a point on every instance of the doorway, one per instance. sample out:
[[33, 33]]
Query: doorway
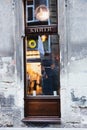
[[41, 66]]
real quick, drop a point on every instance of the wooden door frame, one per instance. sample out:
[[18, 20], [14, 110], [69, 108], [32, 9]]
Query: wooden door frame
[[39, 98]]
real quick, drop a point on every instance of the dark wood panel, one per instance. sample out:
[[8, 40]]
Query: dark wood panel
[[39, 30], [42, 108], [49, 119]]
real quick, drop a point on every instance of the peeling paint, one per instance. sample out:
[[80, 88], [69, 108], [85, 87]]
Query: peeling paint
[[79, 100], [6, 101]]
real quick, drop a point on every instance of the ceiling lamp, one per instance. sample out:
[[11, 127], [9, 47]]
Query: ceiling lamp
[[42, 13]]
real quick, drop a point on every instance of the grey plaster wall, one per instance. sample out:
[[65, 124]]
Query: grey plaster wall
[[74, 60], [6, 28], [19, 35], [11, 63]]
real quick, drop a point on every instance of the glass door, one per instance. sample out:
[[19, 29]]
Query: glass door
[[42, 65], [41, 62]]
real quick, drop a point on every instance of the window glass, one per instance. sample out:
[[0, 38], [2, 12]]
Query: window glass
[[30, 12], [51, 5], [40, 2], [42, 65]]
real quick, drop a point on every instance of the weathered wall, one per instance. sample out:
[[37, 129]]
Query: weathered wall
[[73, 38], [11, 63], [6, 35], [73, 51]]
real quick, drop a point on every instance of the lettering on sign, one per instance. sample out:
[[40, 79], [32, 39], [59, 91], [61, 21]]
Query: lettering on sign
[[43, 29]]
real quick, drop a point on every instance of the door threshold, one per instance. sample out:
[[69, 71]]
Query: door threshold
[[51, 119]]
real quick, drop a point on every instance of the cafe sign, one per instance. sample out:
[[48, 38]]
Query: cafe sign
[[42, 30]]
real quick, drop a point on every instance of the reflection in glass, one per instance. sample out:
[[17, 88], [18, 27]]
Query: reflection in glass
[[42, 13], [34, 78], [34, 5], [42, 69], [42, 51]]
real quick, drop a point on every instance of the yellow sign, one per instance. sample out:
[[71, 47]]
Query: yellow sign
[[32, 44]]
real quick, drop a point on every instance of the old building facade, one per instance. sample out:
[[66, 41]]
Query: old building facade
[[73, 61]]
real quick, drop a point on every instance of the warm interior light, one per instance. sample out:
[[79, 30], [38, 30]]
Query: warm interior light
[[42, 13], [32, 54], [43, 38]]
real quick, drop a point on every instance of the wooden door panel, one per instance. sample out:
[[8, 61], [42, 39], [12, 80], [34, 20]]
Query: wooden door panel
[[42, 107]]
